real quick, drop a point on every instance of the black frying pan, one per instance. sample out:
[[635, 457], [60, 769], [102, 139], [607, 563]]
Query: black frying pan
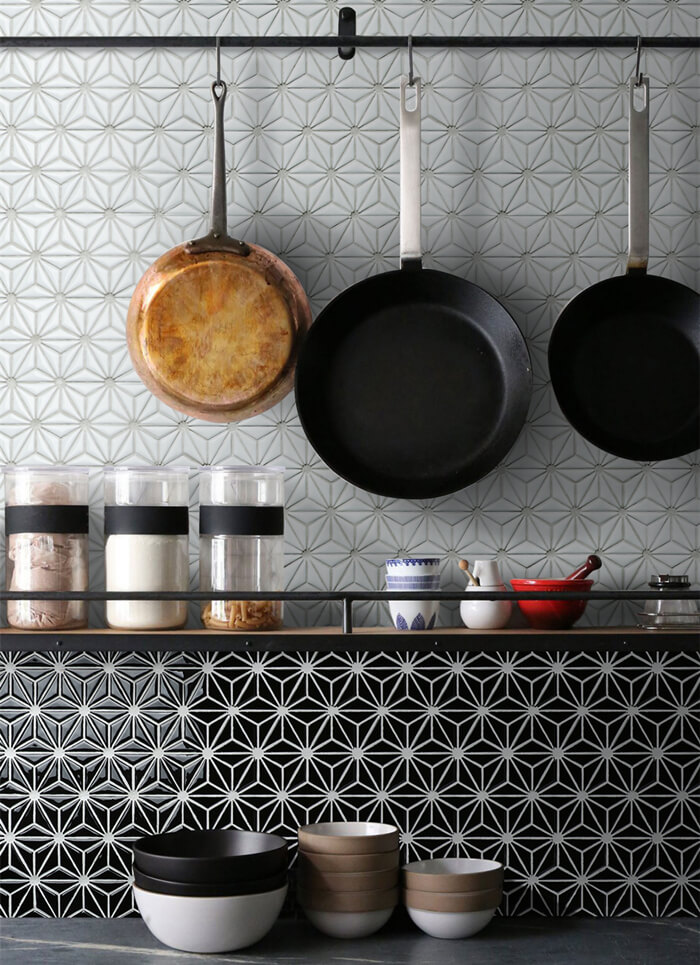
[[624, 355], [413, 383]]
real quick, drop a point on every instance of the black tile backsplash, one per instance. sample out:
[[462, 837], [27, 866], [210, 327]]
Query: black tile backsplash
[[579, 770]]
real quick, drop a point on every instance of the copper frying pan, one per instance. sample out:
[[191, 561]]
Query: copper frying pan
[[214, 325]]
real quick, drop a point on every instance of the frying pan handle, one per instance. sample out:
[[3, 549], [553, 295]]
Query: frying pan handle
[[638, 249], [218, 238], [409, 206], [218, 182]]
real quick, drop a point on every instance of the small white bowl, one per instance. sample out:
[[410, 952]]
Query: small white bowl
[[453, 875], [348, 837], [210, 924], [348, 924], [455, 924]]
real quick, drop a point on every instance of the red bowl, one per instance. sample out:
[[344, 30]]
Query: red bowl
[[552, 614]]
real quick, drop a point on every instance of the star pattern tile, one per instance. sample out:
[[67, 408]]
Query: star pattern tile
[[579, 770]]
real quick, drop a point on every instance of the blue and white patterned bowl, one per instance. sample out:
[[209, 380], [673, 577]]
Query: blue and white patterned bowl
[[396, 582], [414, 614], [414, 574], [415, 565]]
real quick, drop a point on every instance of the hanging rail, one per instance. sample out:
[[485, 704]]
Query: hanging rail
[[350, 41]]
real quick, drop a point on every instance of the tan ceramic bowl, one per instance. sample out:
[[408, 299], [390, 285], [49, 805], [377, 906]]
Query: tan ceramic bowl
[[348, 901], [348, 837], [453, 874], [349, 863], [311, 880], [457, 901]]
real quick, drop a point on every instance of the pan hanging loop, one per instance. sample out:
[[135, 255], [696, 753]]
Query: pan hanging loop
[[218, 238], [218, 88], [411, 78], [638, 78]]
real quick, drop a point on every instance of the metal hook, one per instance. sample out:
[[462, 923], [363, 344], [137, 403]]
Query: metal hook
[[218, 62], [637, 70], [411, 78]]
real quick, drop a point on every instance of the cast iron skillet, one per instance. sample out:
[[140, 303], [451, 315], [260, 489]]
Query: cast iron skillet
[[624, 356], [413, 383], [211, 857]]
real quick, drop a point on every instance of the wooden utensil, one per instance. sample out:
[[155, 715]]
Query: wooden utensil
[[464, 565], [214, 325]]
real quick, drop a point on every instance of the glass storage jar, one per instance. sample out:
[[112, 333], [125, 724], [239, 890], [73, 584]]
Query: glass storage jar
[[669, 614], [241, 544], [46, 527], [146, 544]]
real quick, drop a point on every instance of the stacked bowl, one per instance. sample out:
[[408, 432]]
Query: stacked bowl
[[452, 897], [348, 876], [210, 891], [417, 574]]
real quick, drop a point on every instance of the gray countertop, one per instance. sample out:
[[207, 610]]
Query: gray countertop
[[514, 941]]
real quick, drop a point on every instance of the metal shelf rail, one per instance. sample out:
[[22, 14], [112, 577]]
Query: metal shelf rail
[[346, 598]]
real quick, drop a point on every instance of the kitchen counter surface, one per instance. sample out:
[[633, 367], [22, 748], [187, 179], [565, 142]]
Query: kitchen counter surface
[[530, 941]]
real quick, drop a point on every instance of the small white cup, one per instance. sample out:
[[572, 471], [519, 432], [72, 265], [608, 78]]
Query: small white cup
[[485, 614], [414, 614]]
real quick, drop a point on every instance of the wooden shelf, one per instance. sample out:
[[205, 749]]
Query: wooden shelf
[[630, 639]]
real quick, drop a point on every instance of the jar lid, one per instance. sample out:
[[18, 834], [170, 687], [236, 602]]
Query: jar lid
[[243, 469], [146, 469], [675, 581], [44, 469]]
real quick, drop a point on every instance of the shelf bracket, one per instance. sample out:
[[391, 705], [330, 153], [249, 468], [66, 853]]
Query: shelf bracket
[[347, 614]]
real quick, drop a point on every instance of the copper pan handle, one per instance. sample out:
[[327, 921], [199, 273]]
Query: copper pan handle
[[218, 238], [218, 182]]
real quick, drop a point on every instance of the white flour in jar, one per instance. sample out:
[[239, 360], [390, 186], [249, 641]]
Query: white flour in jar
[[134, 561]]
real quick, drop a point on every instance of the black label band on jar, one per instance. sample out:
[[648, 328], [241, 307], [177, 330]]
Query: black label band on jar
[[46, 519], [241, 520], [147, 520]]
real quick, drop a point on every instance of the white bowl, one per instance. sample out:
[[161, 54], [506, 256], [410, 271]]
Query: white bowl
[[348, 837], [454, 924], [348, 924], [450, 875], [210, 924]]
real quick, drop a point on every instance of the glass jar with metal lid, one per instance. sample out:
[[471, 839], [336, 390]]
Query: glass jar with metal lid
[[241, 544], [669, 614], [46, 527], [146, 544]]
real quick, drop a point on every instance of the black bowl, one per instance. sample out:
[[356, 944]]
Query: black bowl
[[211, 857], [253, 886]]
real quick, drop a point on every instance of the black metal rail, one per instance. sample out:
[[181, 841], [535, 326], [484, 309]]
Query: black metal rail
[[200, 596], [353, 41], [348, 597]]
